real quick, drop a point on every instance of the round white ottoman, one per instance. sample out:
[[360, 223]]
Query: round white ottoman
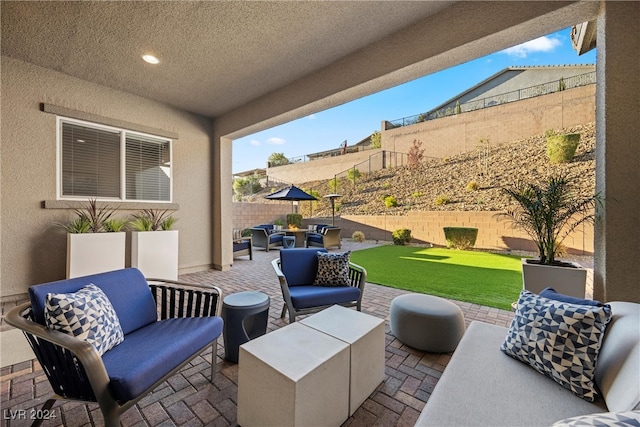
[[426, 322]]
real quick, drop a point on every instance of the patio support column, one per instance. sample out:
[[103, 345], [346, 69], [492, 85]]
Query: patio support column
[[617, 232], [222, 219]]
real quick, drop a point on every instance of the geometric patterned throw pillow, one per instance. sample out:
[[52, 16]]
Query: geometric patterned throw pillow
[[86, 314], [604, 419], [560, 340], [333, 269]]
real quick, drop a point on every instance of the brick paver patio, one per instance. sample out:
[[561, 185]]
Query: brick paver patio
[[188, 399]]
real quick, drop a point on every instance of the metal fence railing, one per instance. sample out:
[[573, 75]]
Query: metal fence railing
[[491, 101]]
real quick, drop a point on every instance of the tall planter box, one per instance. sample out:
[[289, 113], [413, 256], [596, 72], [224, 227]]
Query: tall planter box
[[91, 253], [565, 280], [155, 253]]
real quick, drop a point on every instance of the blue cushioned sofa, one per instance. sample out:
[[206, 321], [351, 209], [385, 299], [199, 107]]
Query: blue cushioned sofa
[[165, 323], [296, 270], [264, 236]]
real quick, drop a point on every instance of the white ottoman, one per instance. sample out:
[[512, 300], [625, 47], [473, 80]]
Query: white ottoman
[[294, 376], [426, 322], [365, 335]]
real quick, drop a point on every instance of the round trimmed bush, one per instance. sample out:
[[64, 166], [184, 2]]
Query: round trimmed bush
[[460, 237]]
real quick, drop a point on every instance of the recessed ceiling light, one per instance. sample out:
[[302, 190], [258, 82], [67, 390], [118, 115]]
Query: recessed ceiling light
[[150, 59]]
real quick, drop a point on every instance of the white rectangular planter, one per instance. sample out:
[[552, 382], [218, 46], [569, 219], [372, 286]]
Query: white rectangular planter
[[565, 280], [91, 253], [155, 253]]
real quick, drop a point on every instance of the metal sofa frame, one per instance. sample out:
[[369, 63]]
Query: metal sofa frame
[[75, 369]]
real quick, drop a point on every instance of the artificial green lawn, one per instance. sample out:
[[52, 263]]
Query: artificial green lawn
[[488, 279]]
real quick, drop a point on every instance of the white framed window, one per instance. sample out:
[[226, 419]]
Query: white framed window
[[108, 163]]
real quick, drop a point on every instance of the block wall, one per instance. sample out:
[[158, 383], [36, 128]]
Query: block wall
[[427, 227], [247, 215]]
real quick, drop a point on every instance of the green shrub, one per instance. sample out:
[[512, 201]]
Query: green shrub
[[460, 237], [353, 175], [442, 200], [376, 139], [246, 232], [390, 201], [401, 236], [473, 186], [358, 236], [294, 219], [561, 148], [417, 194], [333, 185]]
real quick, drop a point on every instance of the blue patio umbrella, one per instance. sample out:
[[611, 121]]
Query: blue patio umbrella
[[291, 193]]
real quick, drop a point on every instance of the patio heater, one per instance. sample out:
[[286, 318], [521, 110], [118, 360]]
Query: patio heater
[[332, 198]]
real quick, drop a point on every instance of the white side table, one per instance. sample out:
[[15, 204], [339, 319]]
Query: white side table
[[365, 335], [294, 376]]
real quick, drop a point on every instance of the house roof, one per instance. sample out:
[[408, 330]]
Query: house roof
[[251, 172], [349, 149]]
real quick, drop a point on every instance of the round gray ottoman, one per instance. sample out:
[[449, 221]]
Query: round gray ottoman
[[426, 322]]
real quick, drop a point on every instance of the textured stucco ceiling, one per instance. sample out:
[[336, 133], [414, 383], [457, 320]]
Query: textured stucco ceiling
[[215, 56]]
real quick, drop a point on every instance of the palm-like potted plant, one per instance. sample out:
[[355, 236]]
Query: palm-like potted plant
[[154, 245], [95, 240], [548, 212]]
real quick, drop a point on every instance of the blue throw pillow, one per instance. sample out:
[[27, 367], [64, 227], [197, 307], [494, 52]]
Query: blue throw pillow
[[558, 339], [552, 294]]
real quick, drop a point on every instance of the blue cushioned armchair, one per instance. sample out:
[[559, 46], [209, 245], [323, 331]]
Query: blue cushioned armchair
[[243, 246], [166, 324], [265, 237], [325, 236], [296, 270]]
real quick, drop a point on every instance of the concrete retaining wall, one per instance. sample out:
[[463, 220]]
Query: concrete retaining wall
[[452, 135]]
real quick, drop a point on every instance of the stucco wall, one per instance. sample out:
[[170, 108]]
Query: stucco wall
[[427, 227], [33, 248], [452, 135]]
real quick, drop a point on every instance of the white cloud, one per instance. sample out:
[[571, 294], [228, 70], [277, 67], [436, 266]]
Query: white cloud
[[254, 142], [541, 44], [276, 141], [311, 117]]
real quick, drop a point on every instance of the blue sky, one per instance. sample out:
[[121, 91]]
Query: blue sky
[[355, 120]]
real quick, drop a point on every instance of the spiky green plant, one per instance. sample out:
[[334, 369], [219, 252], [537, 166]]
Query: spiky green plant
[[152, 220], [548, 212], [91, 218], [78, 225], [113, 225]]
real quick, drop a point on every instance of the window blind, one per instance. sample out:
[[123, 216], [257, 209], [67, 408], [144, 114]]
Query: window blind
[[148, 168], [89, 158]]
